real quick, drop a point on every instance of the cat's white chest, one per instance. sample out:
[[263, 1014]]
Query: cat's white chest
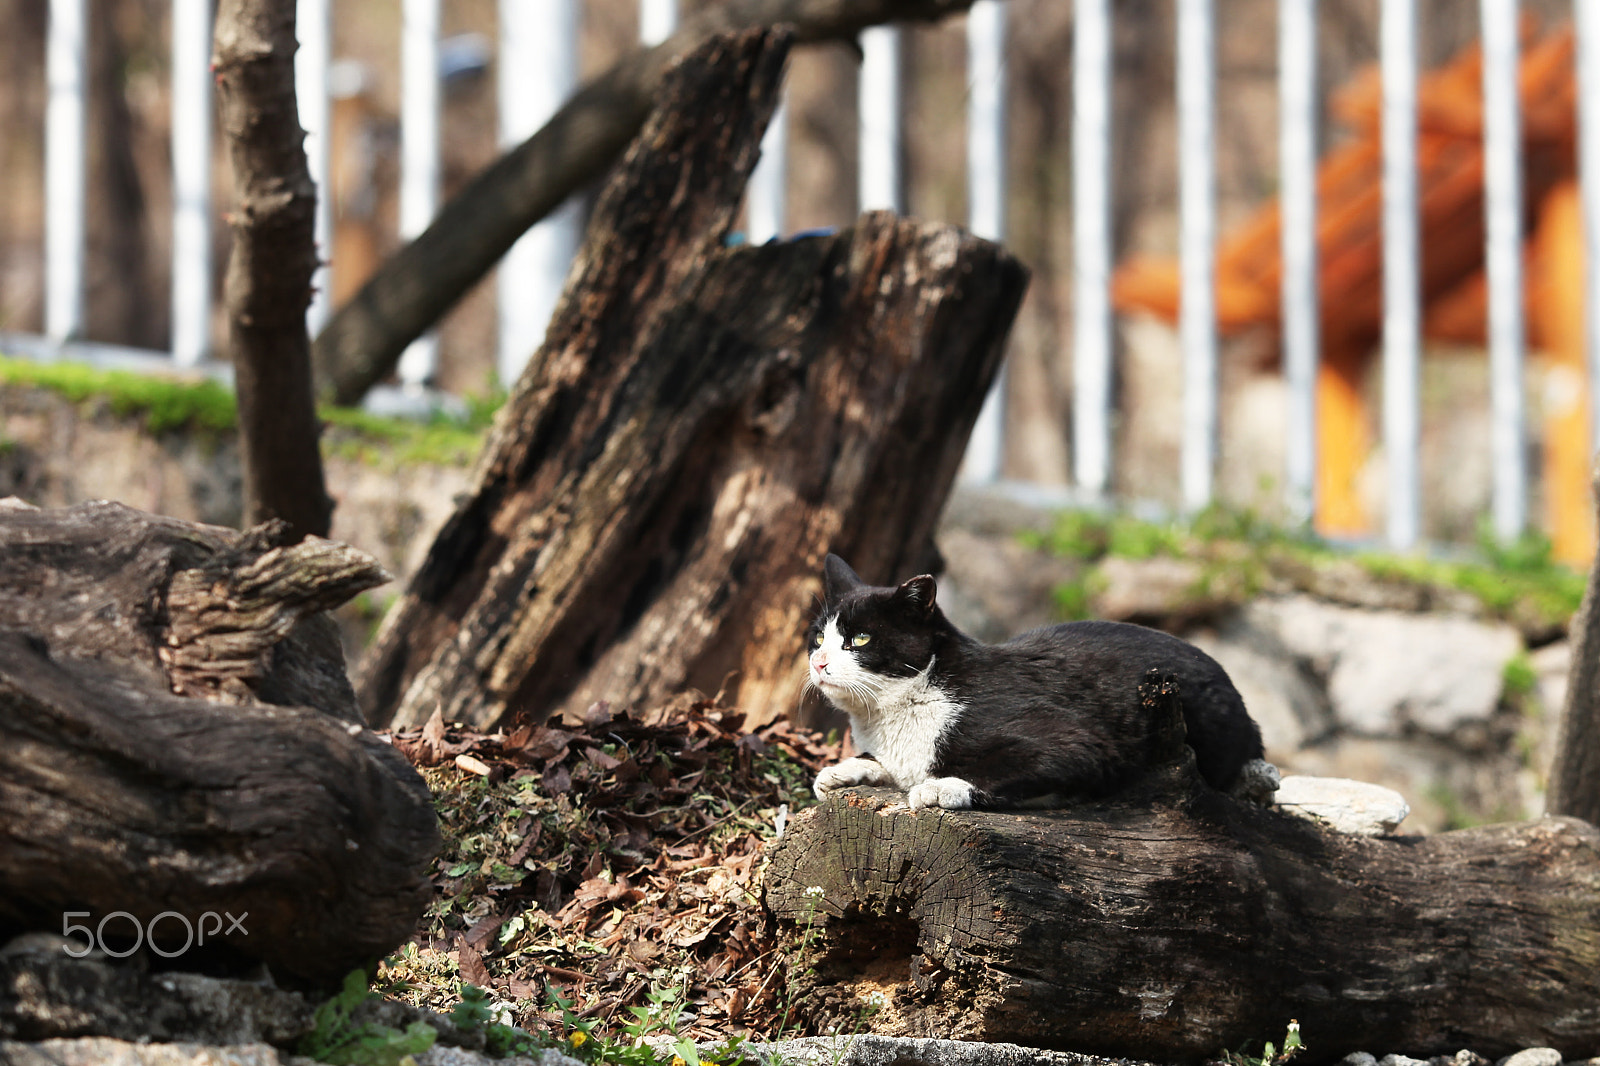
[[904, 727]]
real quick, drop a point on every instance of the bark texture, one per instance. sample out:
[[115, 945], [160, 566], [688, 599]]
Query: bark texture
[[702, 425], [1174, 922], [268, 284], [265, 797], [364, 340], [1575, 774]]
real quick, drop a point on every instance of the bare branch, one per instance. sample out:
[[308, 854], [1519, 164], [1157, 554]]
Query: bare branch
[[416, 286], [268, 283]]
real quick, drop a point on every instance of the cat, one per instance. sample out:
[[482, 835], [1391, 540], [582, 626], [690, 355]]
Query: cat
[[1049, 716]]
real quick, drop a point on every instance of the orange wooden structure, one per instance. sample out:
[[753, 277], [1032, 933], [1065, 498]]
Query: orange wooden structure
[[1454, 291]]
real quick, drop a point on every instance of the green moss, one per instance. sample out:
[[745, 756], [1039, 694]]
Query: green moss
[[352, 433], [1242, 553], [1518, 678], [162, 404], [1072, 601], [167, 405], [1092, 535], [1133, 538], [1521, 586], [1075, 535]]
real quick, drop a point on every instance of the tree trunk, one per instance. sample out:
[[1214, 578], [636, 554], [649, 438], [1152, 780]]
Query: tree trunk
[[415, 287], [268, 285], [702, 425], [264, 800], [1174, 922], [1575, 774]]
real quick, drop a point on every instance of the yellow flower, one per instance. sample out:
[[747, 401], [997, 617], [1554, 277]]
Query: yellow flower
[[677, 1060], [578, 1038]]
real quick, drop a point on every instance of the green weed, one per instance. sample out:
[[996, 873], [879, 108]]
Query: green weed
[[1270, 1055], [335, 1038]]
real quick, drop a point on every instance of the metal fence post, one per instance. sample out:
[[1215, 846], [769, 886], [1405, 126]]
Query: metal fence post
[[191, 181], [538, 71], [658, 19], [1587, 16], [419, 155], [879, 182], [314, 28], [1092, 351], [66, 164], [1502, 151], [1197, 324], [986, 204], [1402, 311], [766, 199], [1297, 164]]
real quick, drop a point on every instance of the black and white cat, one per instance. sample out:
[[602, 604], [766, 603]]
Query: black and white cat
[[1048, 716]]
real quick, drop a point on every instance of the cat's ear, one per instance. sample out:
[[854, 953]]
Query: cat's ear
[[918, 593], [838, 578]]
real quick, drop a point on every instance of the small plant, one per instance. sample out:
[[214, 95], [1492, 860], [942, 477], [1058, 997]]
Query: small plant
[[1270, 1054], [476, 1012], [335, 1038], [1519, 678], [585, 1041]]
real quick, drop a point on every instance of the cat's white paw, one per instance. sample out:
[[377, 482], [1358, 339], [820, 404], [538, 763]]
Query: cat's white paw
[[951, 793], [850, 772]]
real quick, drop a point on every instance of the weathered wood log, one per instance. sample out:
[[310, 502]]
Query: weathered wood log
[[264, 799], [1174, 922], [701, 427]]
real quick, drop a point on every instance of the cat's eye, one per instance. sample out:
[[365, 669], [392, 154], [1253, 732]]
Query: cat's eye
[[817, 640], [859, 639]]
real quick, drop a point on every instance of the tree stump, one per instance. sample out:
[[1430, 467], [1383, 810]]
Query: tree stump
[[1174, 922], [702, 425], [177, 734]]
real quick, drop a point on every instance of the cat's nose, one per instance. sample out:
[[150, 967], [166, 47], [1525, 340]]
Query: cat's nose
[[819, 659]]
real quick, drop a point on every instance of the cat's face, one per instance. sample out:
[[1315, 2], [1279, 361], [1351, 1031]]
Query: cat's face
[[866, 635]]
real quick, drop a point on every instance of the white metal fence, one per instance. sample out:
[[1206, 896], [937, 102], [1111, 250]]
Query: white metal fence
[[537, 72]]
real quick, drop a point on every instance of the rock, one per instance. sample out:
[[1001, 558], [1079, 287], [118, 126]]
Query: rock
[[1258, 782], [50, 997], [1446, 787], [1359, 1058], [439, 1055], [1386, 671], [1551, 666], [1347, 582], [1466, 1057], [995, 587], [1160, 589], [104, 1051], [991, 511], [1401, 1060], [868, 1050], [1279, 689], [1533, 1056], [1353, 807], [46, 996]]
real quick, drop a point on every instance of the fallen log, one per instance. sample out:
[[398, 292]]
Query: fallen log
[[701, 426], [178, 737], [1174, 922]]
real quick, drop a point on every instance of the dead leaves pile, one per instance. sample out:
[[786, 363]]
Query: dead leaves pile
[[607, 859]]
